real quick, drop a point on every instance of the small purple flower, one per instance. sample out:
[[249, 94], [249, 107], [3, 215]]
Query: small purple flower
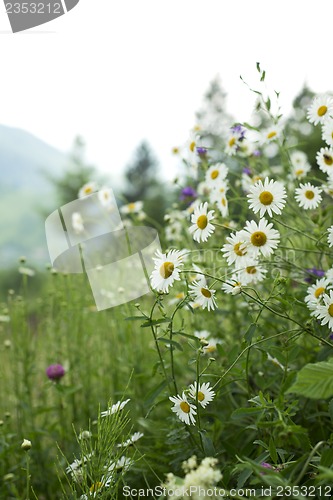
[[257, 152], [201, 151], [188, 193], [318, 273], [55, 372], [247, 171], [266, 465], [239, 131], [331, 336]]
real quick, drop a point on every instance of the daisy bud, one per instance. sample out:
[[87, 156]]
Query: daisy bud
[[236, 290], [26, 445]]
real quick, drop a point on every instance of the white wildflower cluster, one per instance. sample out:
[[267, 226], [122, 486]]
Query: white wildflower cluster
[[185, 404], [243, 251], [200, 479]]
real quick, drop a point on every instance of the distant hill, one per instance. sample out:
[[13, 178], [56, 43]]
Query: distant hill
[[25, 193]]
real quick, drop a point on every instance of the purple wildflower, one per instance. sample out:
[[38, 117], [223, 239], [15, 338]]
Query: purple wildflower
[[188, 193], [55, 372], [318, 273], [247, 171], [239, 130], [257, 152], [201, 151]]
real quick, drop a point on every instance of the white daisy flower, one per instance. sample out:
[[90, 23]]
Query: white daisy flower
[[203, 295], [209, 343], [308, 196], [261, 238], [329, 275], [328, 188], [185, 411], [324, 159], [267, 197], [316, 292], [222, 204], [201, 227], [215, 174], [247, 181], [130, 441], [270, 134], [330, 236], [320, 109], [328, 132], [325, 312], [115, 408], [235, 251], [298, 158], [173, 231], [105, 197], [87, 189], [252, 273], [233, 285], [298, 172], [132, 208], [77, 223], [205, 393], [166, 270]]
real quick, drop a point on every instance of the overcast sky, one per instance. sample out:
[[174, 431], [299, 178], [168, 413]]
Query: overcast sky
[[119, 72]]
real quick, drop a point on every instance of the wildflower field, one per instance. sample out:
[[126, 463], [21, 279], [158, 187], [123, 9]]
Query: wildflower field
[[217, 383]]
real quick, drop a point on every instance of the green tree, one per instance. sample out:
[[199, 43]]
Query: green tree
[[142, 183]]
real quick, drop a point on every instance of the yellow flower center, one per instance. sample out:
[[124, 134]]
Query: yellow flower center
[[166, 269], [175, 150], [95, 487], [232, 142], [309, 195], [266, 198], [185, 407], [237, 249], [180, 295], [201, 396], [258, 239], [131, 206], [322, 110], [251, 270], [206, 293], [319, 291], [88, 190], [223, 202], [192, 146], [214, 174], [271, 134], [330, 310], [299, 171], [328, 160], [202, 221]]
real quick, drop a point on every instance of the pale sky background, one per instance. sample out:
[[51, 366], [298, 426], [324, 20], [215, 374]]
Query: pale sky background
[[119, 72]]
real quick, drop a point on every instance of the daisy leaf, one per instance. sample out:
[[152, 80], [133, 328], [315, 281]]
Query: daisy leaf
[[314, 380]]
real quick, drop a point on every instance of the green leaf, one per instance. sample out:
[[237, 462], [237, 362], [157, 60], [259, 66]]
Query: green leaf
[[171, 342], [272, 451], [155, 322], [314, 381], [262, 78], [134, 318], [250, 332], [207, 444], [245, 412], [326, 459], [154, 392], [258, 67], [330, 409], [192, 337]]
